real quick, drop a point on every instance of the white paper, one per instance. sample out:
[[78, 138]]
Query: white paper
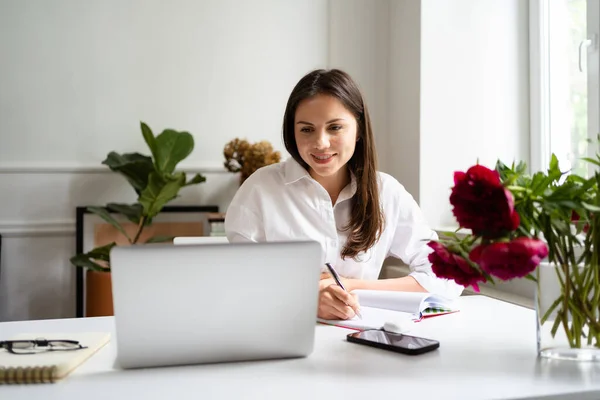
[[372, 318], [408, 302]]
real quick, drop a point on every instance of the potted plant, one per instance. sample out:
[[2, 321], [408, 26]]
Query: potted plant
[[155, 182], [544, 227]]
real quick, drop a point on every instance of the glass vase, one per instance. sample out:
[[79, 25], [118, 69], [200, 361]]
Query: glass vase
[[568, 312]]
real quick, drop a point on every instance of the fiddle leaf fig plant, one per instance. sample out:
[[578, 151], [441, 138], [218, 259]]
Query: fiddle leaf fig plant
[[154, 180]]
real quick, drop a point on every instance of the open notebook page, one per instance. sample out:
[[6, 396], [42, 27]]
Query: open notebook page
[[408, 302], [372, 318]]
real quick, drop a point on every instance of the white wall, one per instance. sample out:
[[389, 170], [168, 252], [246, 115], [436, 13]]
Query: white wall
[[76, 79], [82, 74], [405, 94], [474, 92]]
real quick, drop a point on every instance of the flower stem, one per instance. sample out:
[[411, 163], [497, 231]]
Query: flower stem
[[565, 309], [594, 266]]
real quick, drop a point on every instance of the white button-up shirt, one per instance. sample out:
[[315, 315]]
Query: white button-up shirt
[[282, 202]]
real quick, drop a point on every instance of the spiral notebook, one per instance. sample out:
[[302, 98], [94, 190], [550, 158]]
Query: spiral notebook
[[379, 306], [48, 366]]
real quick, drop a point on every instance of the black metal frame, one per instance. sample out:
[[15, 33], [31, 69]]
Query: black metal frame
[[80, 213], [0, 256]]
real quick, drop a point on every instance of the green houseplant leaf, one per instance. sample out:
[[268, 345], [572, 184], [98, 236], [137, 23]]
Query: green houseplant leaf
[[171, 148], [135, 167], [160, 191], [84, 261], [87, 260], [105, 215], [133, 212], [160, 239], [102, 252], [150, 139], [196, 179], [154, 181]]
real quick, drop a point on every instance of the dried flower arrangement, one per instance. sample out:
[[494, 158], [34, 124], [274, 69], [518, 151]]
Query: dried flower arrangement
[[245, 157]]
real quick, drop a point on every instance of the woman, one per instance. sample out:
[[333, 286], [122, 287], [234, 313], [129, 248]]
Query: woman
[[330, 191]]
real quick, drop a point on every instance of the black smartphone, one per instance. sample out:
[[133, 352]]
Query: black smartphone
[[397, 342]]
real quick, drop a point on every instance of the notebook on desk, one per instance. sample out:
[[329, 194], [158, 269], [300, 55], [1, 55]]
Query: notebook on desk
[[48, 366], [379, 306]]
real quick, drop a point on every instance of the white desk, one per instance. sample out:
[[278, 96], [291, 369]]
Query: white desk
[[487, 351]]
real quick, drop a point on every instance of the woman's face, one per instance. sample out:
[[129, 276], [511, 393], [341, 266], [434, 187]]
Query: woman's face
[[326, 134]]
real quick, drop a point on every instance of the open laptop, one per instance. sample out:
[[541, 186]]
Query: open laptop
[[220, 302]]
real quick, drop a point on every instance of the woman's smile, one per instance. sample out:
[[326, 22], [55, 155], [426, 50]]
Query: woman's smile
[[322, 158]]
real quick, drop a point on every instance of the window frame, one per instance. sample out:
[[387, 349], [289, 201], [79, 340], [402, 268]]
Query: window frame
[[539, 82], [539, 86], [593, 75]]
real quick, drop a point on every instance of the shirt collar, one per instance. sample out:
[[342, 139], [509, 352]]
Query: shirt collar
[[293, 172], [349, 190]]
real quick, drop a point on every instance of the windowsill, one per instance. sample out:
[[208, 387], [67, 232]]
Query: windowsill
[[508, 297]]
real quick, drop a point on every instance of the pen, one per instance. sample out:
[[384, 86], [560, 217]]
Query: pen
[[337, 280]]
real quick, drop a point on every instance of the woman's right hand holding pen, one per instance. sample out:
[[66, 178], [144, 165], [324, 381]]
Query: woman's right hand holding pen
[[335, 302]]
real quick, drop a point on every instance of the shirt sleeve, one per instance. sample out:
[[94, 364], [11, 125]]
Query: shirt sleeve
[[243, 221], [409, 244], [243, 225]]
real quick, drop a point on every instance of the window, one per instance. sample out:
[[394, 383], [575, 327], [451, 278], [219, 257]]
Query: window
[[564, 107], [564, 82]]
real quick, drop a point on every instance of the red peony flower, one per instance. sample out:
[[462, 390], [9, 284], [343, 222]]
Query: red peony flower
[[452, 266], [508, 260], [482, 204]]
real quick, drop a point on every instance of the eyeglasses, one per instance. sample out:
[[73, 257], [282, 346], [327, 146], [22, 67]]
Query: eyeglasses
[[39, 346]]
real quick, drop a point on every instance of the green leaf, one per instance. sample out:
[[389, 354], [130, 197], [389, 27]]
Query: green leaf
[[576, 179], [517, 189], [160, 239], [561, 226], [591, 160], [553, 165], [102, 252], [84, 261], [133, 212], [159, 192], [590, 207], [135, 167], [537, 179], [196, 179], [521, 168], [171, 148], [105, 215], [149, 138], [568, 203]]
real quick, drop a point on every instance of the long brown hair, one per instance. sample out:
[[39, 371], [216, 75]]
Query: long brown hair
[[367, 219]]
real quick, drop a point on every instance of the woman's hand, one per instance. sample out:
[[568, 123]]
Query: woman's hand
[[326, 280], [335, 302]]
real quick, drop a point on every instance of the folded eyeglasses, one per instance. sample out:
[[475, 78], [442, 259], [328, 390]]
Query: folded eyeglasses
[[39, 345]]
